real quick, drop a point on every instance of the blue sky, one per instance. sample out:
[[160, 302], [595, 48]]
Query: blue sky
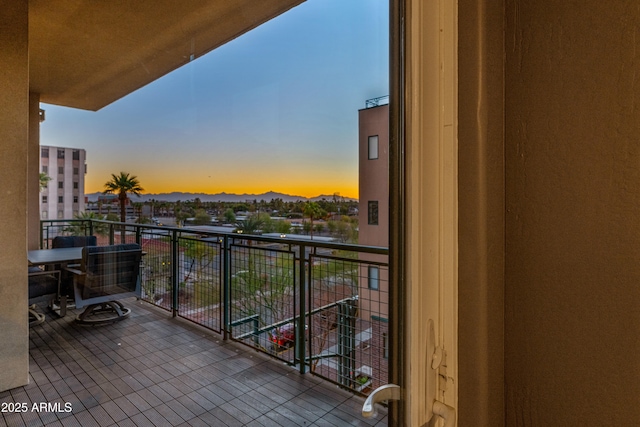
[[275, 109]]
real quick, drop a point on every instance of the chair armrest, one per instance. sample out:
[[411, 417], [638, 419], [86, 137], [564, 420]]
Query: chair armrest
[[74, 271], [44, 273]]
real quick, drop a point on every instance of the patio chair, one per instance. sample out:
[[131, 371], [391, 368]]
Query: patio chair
[[73, 241], [43, 285], [66, 281], [106, 274]]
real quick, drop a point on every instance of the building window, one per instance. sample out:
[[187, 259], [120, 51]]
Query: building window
[[45, 169], [75, 199], [75, 185], [76, 155], [374, 278], [44, 199], [60, 214], [60, 199], [60, 184], [44, 152], [76, 171], [373, 147], [61, 170], [61, 154], [45, 214], [373, 213]]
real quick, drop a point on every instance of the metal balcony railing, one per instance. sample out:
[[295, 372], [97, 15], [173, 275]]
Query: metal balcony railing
[[320, 306]]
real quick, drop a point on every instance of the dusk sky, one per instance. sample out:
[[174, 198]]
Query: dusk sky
[[273, 110]]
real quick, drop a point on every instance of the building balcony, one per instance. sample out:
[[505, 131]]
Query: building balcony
[[230, 330]]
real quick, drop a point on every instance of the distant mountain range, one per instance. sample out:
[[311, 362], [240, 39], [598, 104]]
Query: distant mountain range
[[219, 197]]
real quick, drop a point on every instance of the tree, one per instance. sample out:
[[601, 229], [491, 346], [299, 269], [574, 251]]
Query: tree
[[137, 209], [122, 185], [229, 216], [111, 217], [250, 225], [44, 180], [181, 213], [268, 225], [202, 217], [81, 227], [283, 227], [312, 210]]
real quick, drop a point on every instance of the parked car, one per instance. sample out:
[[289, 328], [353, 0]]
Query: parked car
[[284, 337]]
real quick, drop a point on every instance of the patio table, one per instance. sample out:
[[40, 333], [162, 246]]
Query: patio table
[[61, 256]]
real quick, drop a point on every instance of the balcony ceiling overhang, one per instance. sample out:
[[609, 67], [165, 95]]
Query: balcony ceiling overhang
[[89, 53]]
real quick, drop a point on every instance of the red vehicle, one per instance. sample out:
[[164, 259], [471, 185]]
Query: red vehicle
[[284, 336]]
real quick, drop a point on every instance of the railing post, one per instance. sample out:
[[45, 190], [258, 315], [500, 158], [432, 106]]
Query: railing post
[[111, 233], [175, 272], [300, 329], [226, 288], [256, 328], [90, 227]]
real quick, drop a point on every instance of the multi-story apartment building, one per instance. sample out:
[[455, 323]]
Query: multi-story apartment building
[[63, 196], [373, 216], [373, 226]]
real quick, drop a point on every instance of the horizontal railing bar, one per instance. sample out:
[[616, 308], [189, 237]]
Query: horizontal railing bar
[[294, 319], [254, 237], [245, 320]]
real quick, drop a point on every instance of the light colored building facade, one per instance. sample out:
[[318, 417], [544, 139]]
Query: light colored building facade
[[373, 209], [63, 196]]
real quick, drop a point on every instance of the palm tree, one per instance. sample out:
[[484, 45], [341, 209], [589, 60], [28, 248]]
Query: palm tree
[[312, 210], [80, 228], [44, 180], [122, 185], [250, 225]]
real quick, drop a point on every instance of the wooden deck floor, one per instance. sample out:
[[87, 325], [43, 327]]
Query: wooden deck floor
[[152, 370]]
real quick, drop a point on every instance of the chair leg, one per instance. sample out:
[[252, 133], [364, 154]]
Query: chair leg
[[35, 318], [106, 312]]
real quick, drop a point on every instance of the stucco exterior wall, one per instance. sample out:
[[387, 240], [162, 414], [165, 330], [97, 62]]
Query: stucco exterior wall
[[373, 175], [572, 299], [373, 186], [14, 135]]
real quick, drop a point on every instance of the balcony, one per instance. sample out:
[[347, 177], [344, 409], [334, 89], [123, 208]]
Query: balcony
[[230, 330]]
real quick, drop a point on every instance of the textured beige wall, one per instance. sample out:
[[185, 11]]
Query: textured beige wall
[[573, 205], [14, 112]]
